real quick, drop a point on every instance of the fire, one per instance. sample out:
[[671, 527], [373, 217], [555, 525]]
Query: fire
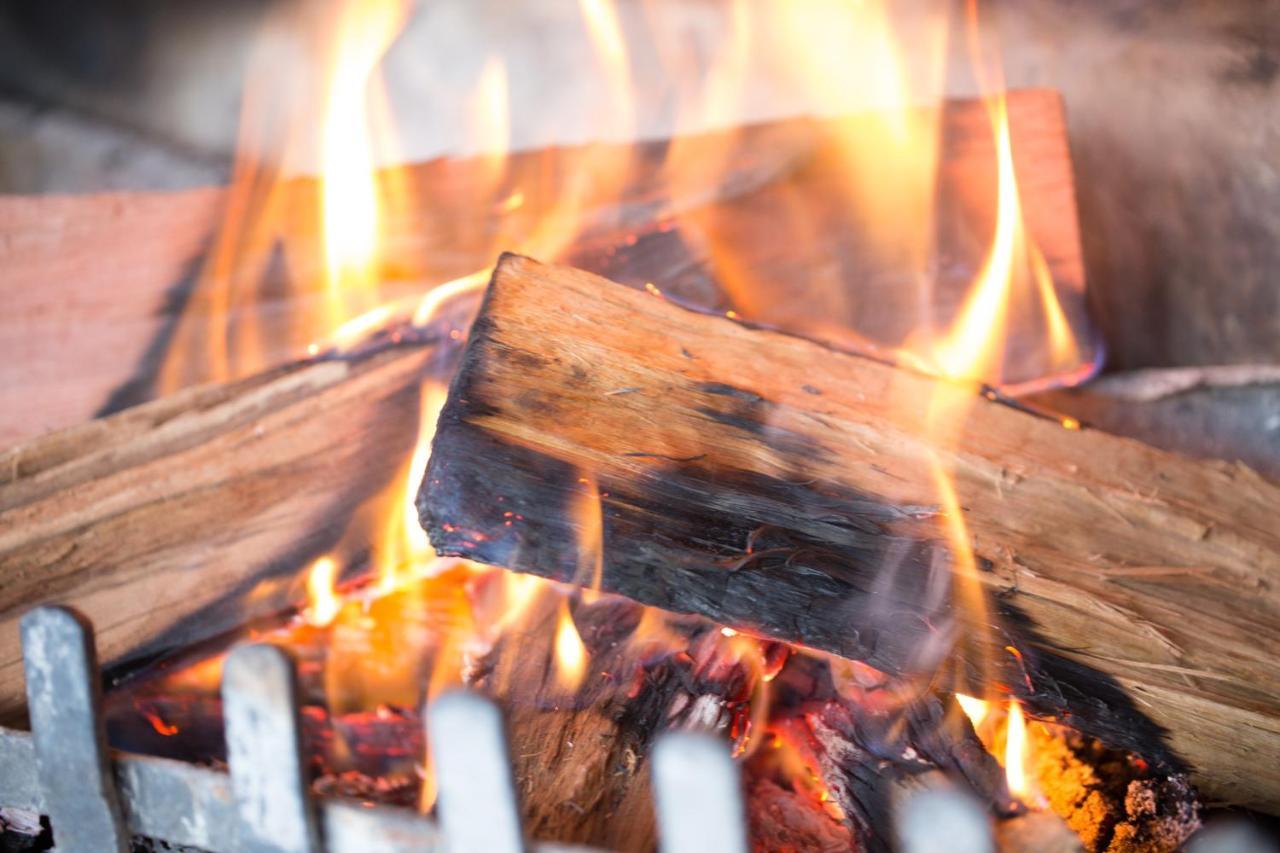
[[975, 709], [322, 595], [1015, 752], [424, 619], [606, 34], [973, 348], [571, 654], [1009, 728], [350, 205]]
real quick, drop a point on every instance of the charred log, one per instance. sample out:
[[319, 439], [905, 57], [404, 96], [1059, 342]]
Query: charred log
[[775, 485]]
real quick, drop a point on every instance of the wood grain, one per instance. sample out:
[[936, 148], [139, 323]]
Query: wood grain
[[1139, 586], [183, 518]]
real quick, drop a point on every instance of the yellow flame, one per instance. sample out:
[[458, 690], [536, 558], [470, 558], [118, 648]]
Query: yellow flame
[[349, 202], [975, 709], [490, 116], [1015, 267], [323, 601], [571, 654], [606, 35], [972, 349], [1015, 752]]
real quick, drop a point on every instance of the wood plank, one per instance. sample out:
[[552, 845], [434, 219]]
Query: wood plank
[[775, 484]]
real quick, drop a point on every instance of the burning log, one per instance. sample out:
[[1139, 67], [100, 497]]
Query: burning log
[[771, 483], [205, 502]]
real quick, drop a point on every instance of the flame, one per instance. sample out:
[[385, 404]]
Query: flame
[[974, 346], [490, 116], [606, 34], [571, 654], [350, 207], [314, 105], [1015, 270], [1015, 752], [323, 601], [411, 633], [874, 73], [975, 709]]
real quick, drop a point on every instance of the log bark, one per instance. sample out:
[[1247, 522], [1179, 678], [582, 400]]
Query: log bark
[[181, 519], [772, 483]]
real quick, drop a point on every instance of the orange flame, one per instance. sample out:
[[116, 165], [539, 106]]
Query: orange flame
[[571, 654], [350, 207], [1015, 752], [405, 648]]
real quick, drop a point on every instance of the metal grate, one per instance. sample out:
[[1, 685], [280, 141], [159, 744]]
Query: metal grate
[[97, 799]]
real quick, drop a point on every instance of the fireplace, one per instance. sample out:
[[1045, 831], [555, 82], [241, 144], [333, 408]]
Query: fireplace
[[703, 477]]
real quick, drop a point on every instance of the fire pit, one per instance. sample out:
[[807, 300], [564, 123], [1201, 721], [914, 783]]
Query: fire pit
[[711, 492]]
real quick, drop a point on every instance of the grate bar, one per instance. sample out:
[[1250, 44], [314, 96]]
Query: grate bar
[[699, 795], [97, 800], [478, 810], [64, 701], [264, 749]]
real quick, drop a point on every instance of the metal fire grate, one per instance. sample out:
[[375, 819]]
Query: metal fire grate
[[98, 800]]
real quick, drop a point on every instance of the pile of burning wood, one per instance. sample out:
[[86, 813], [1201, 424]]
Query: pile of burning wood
[[695, 468]]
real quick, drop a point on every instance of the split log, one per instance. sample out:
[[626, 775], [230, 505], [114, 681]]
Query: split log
[[184, 518], [771, 483]]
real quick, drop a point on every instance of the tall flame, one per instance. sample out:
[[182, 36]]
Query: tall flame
[[1015, 752], [974, 348], [350, 207]]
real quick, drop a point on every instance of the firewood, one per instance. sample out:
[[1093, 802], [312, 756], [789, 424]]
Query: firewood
[[126, 273], [118, 272], [766, 482], [184, 518]]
